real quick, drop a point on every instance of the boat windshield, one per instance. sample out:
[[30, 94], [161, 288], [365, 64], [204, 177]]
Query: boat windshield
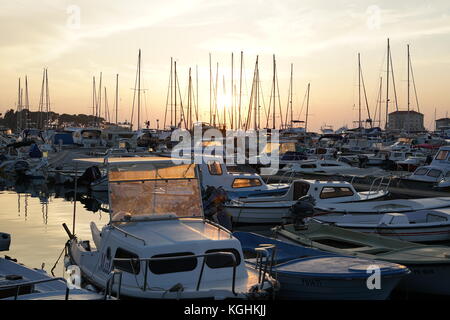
[[151, 191]]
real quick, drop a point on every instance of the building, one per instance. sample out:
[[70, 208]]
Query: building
[[405, 121], [442, 124]]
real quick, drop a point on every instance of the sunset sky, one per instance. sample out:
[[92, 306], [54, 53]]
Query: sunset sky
[[78, 39]]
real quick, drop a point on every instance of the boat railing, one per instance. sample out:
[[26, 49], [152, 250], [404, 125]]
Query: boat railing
[[148, 260], [127, 234], [285, 177], [264, 260], [383, 185], [17, 286]]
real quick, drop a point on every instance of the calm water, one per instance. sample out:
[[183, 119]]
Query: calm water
[[34, 215]]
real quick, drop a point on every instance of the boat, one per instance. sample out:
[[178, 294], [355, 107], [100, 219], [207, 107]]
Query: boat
[[237, 184], [18, 282], [433, 173], [429, 264], [326, 167], [383, 206], [157, 244], [272, 209], [87, 137], [308, 273], [427, 225]]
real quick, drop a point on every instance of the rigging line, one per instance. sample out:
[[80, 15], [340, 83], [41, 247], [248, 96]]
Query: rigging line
[[279, 101], [393, 82], [414, 86], [134, 96], [365, 96], [181, 101], [303, 104], [167, 101]]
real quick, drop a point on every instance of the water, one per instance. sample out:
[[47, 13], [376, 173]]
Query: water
[[34, 215]]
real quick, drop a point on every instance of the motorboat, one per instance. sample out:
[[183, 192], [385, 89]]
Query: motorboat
[[157, 244], [429, 264], [272, 209], [325, 167], [384, 206], [309, 273], [434, 172], [427, 225], [214, 173]]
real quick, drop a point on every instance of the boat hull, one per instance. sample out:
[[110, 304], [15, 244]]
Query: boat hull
[[311, 288]]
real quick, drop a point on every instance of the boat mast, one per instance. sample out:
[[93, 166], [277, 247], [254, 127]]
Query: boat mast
[[117, 96], [210, 91], [359, 91], [387, 85], [307, 109], [139, 92], [240, 92], [100, 99]]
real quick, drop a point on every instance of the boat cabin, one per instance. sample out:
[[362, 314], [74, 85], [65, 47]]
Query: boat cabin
[[214, 173], [157, 237]]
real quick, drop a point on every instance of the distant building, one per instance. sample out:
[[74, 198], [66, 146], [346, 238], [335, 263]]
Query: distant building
[[442, 124], [405, 121]]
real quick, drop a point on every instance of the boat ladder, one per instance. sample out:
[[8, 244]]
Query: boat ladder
[[379, 184], [264, 260]]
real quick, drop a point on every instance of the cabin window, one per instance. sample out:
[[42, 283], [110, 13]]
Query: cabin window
[[246, 183], [434, 173], [329, 165], [421, 172], [222, 261], [130, 266], [308, 166], [335, 192], [215, 169], [173, 265], [442, 155]]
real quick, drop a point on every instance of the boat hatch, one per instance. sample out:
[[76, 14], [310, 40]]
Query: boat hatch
[[338, 243]]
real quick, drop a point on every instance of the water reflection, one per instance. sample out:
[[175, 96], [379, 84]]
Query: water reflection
[[33, 213]]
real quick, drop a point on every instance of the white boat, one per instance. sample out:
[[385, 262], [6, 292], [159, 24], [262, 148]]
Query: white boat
[[385, 206], [87, 137], [273, 209], [237, 184], [436, 171], [158, 244], [416, 226], [325, 167]]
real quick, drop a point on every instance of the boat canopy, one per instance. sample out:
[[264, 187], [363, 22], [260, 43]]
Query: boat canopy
[[151, 187]]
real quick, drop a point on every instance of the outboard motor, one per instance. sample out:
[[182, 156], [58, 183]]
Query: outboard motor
[[302, 209], [90, 175], [213, 200], [5, 241]]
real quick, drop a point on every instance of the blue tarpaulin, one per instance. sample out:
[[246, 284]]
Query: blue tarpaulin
[[66, 138], [35, 152]]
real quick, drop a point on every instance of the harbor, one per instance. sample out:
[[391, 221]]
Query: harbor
[[242, 155]]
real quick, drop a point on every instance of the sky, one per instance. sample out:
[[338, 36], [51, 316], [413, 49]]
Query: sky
[[78, 39]]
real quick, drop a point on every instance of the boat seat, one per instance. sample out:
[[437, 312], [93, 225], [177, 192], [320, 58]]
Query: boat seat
[[394, 218], [96, 235]]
